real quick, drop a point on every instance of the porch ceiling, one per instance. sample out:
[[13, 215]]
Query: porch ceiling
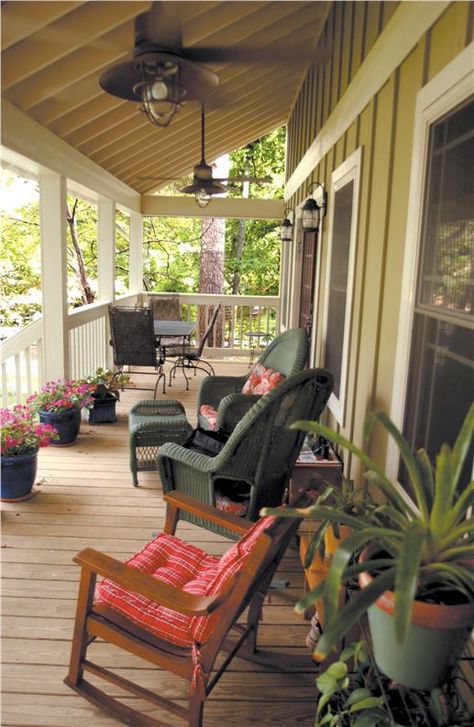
[[54, 52]]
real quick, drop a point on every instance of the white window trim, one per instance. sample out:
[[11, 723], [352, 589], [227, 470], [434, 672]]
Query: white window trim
[[348, 171], [444, 92]]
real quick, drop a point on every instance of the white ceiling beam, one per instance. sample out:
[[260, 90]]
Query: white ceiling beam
[[240, 209]]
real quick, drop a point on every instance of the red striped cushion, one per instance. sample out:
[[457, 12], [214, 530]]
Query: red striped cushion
[[184, 566]]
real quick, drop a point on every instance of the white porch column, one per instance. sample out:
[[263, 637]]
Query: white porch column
[[54, 275], [106, 249], [106, 260], [135, 277]]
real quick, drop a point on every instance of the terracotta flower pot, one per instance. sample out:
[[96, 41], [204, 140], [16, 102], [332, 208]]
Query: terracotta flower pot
[[434, 641]]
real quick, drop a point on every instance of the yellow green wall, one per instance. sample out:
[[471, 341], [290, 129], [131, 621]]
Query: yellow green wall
[[384, 130]]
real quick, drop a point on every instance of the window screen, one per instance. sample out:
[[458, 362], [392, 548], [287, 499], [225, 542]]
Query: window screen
[[441, 373], [343, 203]]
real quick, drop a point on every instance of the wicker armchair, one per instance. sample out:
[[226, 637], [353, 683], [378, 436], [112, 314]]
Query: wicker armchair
[[287, 353], [259, 454]]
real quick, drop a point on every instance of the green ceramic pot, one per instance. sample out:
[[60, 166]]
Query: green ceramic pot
[[432, 646]]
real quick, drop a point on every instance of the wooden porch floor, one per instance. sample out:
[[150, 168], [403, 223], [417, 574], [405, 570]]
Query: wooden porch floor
[[84, 497]]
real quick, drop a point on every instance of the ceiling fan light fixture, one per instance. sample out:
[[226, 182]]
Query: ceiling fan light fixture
[[159, 91], [202, 197]]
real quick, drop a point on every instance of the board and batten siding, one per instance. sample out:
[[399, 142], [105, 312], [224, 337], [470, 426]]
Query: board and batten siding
[[384, 130]]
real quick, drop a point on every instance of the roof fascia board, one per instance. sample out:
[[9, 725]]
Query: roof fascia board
[[408, 24], [243, 209], [27, 137]]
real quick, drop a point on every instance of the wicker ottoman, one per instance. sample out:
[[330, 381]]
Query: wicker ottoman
[[151, 423]]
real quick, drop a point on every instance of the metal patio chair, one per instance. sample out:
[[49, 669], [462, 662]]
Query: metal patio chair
[[134, 342], [190, 358]]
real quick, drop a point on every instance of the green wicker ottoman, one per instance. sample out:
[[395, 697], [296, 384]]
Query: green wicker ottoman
[[151, 423]]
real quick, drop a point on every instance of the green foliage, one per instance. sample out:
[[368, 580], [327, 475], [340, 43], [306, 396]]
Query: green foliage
[[348, 695], [20, 262], [107, 381], [352, 693]]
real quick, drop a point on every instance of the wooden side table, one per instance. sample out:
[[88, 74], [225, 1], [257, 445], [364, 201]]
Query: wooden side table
[[308, 475]]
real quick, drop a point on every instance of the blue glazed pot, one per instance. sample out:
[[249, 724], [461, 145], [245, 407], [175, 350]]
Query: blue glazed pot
[[18, 476], [66, 423]]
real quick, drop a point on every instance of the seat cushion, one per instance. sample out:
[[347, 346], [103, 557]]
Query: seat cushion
[[210, 414], [261, 380], [186, 567]]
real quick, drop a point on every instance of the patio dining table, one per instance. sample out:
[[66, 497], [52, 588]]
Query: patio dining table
[[170, 334], [173, 329]]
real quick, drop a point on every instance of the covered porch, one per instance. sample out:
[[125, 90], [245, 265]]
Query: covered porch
[[383, 94], [85, 498]]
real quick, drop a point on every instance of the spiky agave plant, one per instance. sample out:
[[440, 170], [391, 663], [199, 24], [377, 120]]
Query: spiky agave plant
[[420, 545]]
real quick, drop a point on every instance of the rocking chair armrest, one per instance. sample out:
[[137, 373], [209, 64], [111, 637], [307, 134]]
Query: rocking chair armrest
[[180, 501], [144, 584]]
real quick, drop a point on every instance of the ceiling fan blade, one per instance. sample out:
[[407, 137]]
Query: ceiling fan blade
[[245, 178], [252, 54]]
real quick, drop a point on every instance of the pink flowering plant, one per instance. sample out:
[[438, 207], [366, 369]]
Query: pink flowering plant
[[21, 434], [62, 395]]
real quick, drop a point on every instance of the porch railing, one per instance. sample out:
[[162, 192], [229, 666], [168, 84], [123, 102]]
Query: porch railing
[[21, 355]]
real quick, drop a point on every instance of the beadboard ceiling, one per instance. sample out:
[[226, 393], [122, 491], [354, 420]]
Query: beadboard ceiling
[[54, 52]]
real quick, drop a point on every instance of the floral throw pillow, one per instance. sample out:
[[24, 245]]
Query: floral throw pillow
[[261, 380]]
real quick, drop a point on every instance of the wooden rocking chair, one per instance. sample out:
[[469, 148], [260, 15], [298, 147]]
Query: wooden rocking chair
[[173, 628]]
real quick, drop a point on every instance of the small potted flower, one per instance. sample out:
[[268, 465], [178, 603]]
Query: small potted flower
[[21, 438], [105, 395], [59, 403]]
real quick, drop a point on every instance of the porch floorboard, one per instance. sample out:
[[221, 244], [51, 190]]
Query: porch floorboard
[[85, 497]]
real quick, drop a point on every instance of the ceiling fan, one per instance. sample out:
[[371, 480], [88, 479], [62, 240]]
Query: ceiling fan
[[204, 185], [162, 74]]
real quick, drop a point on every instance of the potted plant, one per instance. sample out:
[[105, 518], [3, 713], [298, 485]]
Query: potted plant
[[416, 577], [105, 395], [59, 403], [21, 438]]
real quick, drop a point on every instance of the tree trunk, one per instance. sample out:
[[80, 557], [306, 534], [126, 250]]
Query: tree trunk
[[211, 272], [87, 295]]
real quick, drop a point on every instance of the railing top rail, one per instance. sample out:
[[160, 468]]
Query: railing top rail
[[27, 336]]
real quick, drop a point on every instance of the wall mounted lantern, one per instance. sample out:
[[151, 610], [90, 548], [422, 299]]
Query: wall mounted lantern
[[286, 227], [314, 208]]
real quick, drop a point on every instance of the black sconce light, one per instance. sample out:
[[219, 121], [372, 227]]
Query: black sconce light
[[286, 227], [314, 207]]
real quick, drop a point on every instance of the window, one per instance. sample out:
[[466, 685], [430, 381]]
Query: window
[[441, 364], [434, 372], [344, 196]]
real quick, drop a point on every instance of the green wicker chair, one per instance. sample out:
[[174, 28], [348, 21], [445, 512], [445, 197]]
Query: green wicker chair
[[259, 454], [287, 353]]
